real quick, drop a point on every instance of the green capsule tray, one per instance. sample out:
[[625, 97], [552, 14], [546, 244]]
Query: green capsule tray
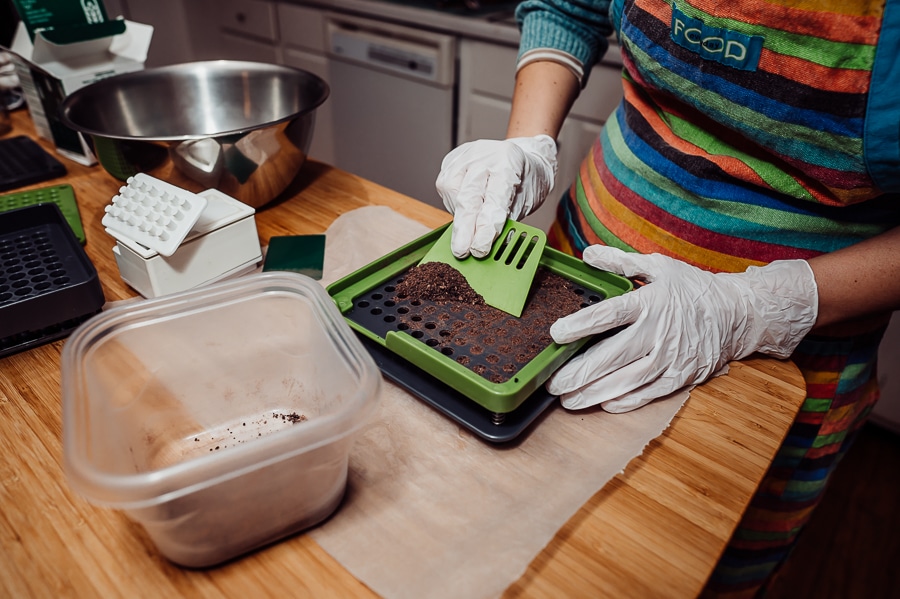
[[368, 304], [61, 195]]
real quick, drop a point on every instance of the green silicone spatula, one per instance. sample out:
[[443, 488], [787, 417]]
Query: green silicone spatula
[[504, 276]]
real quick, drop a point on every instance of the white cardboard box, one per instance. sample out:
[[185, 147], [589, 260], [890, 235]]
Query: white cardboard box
[[49, 72], [224, 242]]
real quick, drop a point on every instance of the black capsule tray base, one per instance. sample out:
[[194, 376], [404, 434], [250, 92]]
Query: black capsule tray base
[[48, 286], [453, 404]]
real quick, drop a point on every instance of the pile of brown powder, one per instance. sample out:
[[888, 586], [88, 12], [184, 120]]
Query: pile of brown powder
[[438, 282], [437, 305]]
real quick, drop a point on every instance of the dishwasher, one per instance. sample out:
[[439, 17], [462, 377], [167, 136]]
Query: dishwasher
[[392, 101]]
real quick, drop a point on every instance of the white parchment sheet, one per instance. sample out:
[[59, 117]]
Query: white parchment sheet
[[433, 511]]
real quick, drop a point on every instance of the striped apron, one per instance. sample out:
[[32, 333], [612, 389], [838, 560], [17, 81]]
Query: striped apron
[[739, 141]]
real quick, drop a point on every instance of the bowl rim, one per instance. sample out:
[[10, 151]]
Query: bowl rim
[[231, 66]]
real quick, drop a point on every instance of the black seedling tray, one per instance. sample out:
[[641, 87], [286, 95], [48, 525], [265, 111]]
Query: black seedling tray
[[48, 286], [451, 403], [23, 162]]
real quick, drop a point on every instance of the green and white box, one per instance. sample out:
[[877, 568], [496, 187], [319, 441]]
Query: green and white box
[[61, 46]]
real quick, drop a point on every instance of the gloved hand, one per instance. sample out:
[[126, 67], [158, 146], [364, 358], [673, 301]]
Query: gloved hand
[[8, 77], [685, 325], [485, 182]]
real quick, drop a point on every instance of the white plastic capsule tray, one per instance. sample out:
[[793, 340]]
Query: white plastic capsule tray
[[153, 213]]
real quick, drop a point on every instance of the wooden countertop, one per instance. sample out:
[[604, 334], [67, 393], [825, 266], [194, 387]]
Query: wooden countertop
[[656, 529]]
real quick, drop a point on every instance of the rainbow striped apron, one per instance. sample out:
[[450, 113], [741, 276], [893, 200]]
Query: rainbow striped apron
[[748, 133]]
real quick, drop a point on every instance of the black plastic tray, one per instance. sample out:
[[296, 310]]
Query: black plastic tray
[[48, 286], [451, 403], [23, 162]]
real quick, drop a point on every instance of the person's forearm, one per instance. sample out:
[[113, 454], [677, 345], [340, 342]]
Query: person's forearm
[[859, 281], [544, 93]]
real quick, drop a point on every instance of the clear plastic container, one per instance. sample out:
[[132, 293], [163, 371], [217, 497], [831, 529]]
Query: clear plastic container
[[220, 419]]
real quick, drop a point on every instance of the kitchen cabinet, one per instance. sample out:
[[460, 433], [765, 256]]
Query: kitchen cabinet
[[173, 39], [233, 30], [302, 31], [250, 18], [389, 126], [486, 81]]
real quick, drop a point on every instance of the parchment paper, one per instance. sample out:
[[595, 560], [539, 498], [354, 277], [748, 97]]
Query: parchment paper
[[432, 510]]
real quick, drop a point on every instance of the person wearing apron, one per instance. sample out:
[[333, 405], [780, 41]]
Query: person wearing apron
[[751, 177]]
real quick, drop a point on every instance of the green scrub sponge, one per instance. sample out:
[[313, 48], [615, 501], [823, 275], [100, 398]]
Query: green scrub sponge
[[304, 254]]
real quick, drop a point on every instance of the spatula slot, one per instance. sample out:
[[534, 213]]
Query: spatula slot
[[516, 246], [503, 245], [532, 243], [503, 278]]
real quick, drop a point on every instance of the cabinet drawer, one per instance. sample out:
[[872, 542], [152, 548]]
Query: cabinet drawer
[[492, 68], [254, 18], [235, 47]]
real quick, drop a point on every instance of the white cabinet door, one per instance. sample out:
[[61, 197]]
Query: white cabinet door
[[172, 38], [486, 119], [302, 33], [302, 27], [322, 147], [486, 80], [482, 117]]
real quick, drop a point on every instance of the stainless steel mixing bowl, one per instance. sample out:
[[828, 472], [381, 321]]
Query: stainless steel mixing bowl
[[243, 128]]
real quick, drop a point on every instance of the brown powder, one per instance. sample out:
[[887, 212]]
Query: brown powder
[[437, 305], [440, 283]]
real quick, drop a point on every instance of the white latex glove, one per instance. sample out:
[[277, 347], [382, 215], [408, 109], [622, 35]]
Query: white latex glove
[[485, 182], [685, 325], [8, 77]]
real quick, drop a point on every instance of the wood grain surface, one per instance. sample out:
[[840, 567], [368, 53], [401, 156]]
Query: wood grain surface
[[655, 530]]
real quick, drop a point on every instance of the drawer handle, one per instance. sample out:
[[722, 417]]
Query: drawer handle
[[240, 18]]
